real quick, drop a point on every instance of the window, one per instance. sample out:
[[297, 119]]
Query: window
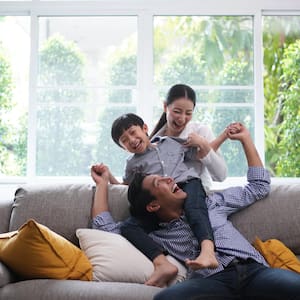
[[86, 78], [69, 68], [214, 54], [14, 74], [281, 88]]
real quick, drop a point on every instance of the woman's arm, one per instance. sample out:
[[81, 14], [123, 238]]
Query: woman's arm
[[203, 138]]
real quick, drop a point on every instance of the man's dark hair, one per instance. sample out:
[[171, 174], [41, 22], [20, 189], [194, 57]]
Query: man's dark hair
[[122, 123], [139, 197]]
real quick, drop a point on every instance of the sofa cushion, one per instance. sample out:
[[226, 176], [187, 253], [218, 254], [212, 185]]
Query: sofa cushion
[[61, 207], [34, 251], [275, 217], [277, 254], [115, 259], [51, 289]]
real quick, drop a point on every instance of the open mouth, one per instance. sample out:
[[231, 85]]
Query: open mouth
[[177, 126], [175, 188], [137, 145]]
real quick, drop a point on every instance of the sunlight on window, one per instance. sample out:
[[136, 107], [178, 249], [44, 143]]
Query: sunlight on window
[[14, 70]]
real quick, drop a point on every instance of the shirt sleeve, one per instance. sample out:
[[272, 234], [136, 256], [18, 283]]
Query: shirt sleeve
[[233, 199], [214, 163], [104, 221]]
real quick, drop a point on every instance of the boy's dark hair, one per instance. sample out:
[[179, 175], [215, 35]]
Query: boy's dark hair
[[123, 123], [138, 197]]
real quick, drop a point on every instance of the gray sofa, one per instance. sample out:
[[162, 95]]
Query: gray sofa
[[66, 207]]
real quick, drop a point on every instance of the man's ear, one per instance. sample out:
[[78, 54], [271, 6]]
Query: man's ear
[[153, 206]]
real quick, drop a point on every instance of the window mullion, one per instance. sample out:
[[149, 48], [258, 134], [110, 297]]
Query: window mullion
[[145, 66], [32, 105], [259, 87]]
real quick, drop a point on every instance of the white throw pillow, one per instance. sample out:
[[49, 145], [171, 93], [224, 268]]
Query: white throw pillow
[[114, 258]]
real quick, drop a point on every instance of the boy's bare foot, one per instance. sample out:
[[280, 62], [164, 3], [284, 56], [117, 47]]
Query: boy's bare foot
[[163, 272], [204, 260]]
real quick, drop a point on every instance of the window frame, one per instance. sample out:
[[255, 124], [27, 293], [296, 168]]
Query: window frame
[[145, 11]]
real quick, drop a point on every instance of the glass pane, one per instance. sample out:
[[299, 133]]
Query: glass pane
[[218, 118], [214, 55], [86, 79], [281, 41], [203, 50], [14, 68]]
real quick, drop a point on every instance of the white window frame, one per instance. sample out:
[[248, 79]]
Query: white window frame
[[145, 11]]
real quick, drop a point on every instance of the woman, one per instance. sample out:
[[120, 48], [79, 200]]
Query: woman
[[176, 121]]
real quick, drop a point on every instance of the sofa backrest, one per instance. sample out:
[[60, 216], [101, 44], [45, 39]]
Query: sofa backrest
[[275, 217], [63, 207], [5, 211]]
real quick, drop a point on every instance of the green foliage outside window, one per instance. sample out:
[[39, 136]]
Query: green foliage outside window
[[13, 136], [5, 105], [122, 72], [288, 163], [60, 147], [196, 51], [281, 89], [210, 51]]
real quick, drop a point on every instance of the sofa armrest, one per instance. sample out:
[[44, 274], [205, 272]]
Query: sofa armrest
[[6, 276]]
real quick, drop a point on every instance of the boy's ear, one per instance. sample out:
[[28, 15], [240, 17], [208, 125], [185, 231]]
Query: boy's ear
[[153, 206], [145, 128]]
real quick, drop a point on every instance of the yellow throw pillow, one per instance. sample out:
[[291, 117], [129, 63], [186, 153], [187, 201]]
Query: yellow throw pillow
[[277, 254], [35, 251]]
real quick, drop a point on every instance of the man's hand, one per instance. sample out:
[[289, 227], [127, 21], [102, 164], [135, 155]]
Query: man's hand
[[237, 131], [100, 173]]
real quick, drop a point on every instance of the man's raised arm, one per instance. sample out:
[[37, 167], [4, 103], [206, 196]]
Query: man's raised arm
[[238, 131]]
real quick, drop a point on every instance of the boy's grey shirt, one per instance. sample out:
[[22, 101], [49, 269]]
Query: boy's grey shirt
[[167, 156]]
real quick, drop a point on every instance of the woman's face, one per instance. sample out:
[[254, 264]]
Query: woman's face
[[178, 114]]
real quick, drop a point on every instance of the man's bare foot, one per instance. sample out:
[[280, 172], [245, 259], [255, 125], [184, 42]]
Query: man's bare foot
[[163, 272], [204, 260]]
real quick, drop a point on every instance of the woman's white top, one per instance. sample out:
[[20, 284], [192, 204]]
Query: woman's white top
[[212, 166]]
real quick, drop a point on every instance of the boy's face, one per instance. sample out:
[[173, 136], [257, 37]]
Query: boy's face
[[135, 139]]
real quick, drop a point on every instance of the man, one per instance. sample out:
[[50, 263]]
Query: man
[[242, 272]]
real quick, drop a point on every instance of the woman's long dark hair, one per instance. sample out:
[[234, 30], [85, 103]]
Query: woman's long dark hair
[[177, 91]]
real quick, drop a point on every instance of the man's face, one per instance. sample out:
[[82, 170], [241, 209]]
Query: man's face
[[135, 139], [165, 191]]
